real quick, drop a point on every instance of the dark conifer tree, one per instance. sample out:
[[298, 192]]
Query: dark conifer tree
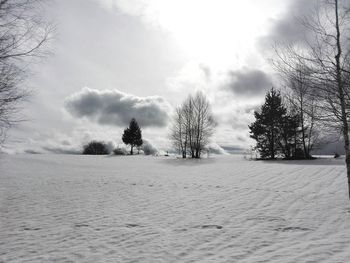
[[133, 135], [290, 135], [266, 128]]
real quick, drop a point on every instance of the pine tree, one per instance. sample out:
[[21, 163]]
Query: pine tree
[[133, 135], [290, 135], [266, 129]]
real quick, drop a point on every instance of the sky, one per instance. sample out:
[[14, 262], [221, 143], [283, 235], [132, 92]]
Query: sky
[[113, 60]]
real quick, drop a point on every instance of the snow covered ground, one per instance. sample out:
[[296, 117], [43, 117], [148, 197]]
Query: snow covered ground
[[67, 208]]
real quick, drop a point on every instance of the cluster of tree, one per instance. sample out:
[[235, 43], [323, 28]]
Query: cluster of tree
[[192, 128], [148, 149], [281, 129], [132, 136], [320, 67], [193, 125], [119, 151], [96, 148]]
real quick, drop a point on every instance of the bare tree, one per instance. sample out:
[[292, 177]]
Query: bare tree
[[24, 35], [188, 111], [325, 55], [300, 100], [179, 136], [193, 126], [204, 123]]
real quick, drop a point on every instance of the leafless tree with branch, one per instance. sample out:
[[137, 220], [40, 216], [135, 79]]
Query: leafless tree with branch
[[193, 126], [300, 100], [24, 35], [324, 55]]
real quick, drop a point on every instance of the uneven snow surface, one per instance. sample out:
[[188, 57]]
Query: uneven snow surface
[[66, 208]]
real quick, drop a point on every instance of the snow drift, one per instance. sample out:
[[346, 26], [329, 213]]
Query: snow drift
[[156, 209]]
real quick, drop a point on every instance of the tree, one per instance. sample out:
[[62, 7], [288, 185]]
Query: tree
[[179, 134], [148, 148], [24, 35], [326, 56], [133, 135], [204, 123], [119, 151], [96, 148], [289, 135], [193, 126], [299, 98], [266, 128]]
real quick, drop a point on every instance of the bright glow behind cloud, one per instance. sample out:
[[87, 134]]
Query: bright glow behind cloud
[[220, 33]]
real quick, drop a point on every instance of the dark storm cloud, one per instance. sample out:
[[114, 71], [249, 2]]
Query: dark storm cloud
[[290, 27], [214, 148], [113, 107], [248, 82], [233, 149]]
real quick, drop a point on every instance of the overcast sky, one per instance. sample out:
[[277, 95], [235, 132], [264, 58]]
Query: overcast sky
[[117, 59]]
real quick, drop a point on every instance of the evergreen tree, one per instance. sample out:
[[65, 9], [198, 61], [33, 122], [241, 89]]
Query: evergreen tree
[[290, 135], [132, 135], [266, 129]]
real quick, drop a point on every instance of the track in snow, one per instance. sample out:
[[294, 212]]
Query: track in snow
[[154, 209]]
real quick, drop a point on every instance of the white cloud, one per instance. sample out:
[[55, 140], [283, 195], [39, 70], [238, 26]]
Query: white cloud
[[217, 32]]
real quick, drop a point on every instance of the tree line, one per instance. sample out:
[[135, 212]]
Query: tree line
[[132, 136], [317, 72], [192, 127], [281, 129], [322, 67]]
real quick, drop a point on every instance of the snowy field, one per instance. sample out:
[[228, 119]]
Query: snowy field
[[67, 208]]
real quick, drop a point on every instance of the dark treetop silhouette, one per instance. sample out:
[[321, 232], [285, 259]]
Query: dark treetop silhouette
[[133, 135]]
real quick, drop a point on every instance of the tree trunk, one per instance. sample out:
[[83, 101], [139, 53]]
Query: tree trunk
[[347, 159], [272, 144], [342, 97], [198, 153], [131, 150], [306, 154], [295, 142]]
